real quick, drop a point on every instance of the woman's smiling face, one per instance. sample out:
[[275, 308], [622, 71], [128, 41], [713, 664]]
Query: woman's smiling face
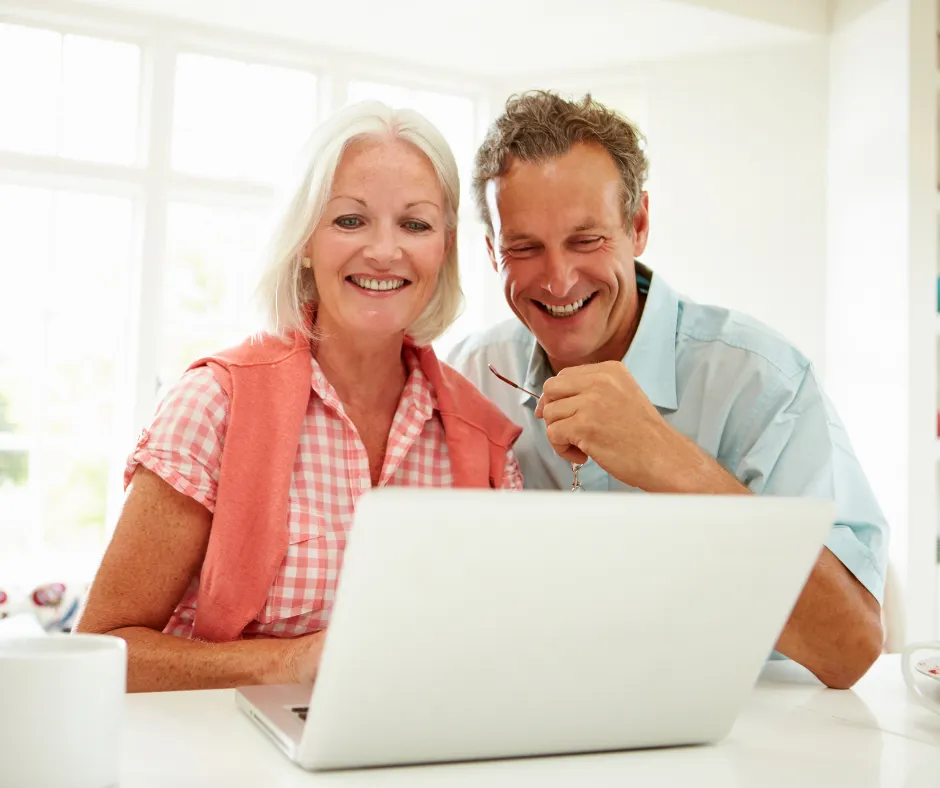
[[378, 249]]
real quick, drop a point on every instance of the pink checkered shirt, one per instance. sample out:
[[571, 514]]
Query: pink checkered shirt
[[184, 447]]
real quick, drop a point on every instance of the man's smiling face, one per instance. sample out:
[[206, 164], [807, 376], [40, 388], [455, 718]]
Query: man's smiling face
[[565, 255]]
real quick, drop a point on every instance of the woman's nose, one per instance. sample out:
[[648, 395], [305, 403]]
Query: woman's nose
[[384, 246]]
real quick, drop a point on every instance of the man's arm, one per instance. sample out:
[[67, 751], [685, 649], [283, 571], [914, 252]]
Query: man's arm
[[835, 628]]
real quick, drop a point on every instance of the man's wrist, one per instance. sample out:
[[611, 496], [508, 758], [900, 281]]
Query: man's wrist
[[684, 468]]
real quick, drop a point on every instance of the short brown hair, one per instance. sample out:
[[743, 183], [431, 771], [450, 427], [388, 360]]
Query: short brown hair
[[539, 124]]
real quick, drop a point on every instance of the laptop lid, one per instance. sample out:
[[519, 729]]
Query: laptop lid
[[483, 624]]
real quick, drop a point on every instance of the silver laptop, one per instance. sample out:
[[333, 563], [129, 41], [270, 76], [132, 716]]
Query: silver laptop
[[481, 624]]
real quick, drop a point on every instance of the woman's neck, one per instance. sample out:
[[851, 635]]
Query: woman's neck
[[365, 373]]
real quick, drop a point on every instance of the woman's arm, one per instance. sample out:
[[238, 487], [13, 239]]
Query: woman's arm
[[157, 549]]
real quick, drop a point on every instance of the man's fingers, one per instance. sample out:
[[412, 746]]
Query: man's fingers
[[559, 409], [573, 454], [565, 441], [558, 388], [570, 453]]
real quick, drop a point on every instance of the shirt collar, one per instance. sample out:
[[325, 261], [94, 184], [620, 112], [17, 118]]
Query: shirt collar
[[651, 357], [418, 392]]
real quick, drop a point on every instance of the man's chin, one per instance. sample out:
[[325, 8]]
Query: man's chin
[[565, 354]]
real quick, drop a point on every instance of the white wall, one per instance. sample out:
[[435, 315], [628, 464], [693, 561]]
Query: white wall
[[881, 308], [737, 145], [738, 185]]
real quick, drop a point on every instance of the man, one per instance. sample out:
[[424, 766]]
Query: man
[[662, 394]]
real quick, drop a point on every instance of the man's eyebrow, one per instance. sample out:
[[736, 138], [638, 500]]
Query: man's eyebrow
[[587, 224], [514, 237]]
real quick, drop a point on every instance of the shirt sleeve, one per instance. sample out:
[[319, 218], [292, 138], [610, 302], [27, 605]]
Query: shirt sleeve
[[183, 445], [512, 475], [797, 446]]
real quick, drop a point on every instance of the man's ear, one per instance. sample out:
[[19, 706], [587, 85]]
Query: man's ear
[[492, 252], [641, 225]]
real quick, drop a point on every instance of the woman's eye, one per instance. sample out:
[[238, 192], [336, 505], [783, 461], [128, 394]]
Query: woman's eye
[[417, 227], [348, 222]]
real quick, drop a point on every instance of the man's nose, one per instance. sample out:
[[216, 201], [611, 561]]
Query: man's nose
[[561, 274]]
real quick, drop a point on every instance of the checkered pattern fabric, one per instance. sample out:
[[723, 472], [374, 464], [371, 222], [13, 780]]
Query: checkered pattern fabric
[[184, 447]]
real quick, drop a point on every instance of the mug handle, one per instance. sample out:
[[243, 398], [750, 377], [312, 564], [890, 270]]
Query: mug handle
[[909, 678]]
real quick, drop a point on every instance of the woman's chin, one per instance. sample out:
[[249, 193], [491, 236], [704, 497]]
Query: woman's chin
[[376, 327]]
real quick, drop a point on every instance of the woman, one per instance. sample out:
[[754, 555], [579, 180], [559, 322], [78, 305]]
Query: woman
[[224, 563]]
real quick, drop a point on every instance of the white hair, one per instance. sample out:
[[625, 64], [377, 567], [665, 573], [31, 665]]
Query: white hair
[[286, 287]]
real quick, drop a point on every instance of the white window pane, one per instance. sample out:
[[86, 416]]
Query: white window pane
[[211, 271], [30, 65], [68, 255], [282, 113], [453, 115], [237, 120], [74, 489], [100, 94], [91, 255], [25, 262]]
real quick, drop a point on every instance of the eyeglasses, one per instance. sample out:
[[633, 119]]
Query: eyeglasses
[[575, 467]]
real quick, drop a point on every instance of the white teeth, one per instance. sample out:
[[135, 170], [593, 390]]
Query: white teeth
[[378, 284], [566, 310]]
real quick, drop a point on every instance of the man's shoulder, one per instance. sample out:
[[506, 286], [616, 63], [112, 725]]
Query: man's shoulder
[[713, 330], [505, 341]]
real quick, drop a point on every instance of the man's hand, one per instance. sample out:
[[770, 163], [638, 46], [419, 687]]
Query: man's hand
[[599, 411]]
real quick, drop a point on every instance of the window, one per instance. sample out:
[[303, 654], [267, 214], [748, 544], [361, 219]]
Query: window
[[239, 120], [68, 95], [211, 269], [113, 279], [64, 308]]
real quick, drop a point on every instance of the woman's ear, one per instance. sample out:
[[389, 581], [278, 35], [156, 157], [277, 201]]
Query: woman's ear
[[306, 253]]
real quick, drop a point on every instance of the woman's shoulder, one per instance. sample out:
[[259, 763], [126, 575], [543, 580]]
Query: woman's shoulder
[[459, 396], [196, 395], [258, 349]]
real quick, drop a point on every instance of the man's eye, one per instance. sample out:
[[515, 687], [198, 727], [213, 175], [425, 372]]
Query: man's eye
[[587, 241], [348, 222], [521, 249]]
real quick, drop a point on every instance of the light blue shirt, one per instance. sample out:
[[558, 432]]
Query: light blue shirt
[[743, 393]]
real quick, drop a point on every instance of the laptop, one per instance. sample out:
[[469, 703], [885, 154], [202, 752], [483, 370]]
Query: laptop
[[476, 624]]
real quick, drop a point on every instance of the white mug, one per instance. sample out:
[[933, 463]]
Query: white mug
[[62, 700], [907, 657]]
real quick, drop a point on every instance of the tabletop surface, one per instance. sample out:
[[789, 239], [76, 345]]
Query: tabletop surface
[[792, 732]]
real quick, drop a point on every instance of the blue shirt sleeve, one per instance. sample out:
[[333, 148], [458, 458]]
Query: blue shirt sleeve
[[797, 446]]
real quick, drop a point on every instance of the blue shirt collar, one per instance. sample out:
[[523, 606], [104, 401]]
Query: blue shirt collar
[[651, 357]]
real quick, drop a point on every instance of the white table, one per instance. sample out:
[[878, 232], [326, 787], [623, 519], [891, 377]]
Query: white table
[[794, 733]]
